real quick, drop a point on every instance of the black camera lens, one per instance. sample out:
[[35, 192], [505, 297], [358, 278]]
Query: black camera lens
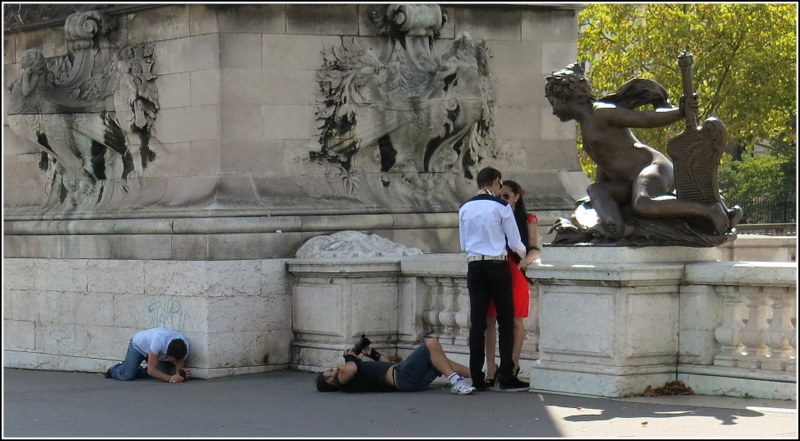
[[361, 344]]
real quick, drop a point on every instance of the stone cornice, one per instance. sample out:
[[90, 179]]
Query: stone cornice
[[232, 225], [25, 17]]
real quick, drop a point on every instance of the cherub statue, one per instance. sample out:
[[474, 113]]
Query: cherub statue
[[28, 91], [633, 180]]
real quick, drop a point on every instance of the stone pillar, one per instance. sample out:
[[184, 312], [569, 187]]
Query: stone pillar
[[781, 331], [609, 318], [752, 335], [728, 333], [335, 301]]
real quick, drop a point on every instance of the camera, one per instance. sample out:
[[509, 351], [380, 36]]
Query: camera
[[361, 344], [182, 373]]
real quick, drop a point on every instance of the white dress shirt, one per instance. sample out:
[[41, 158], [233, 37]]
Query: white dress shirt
[[484, 223]]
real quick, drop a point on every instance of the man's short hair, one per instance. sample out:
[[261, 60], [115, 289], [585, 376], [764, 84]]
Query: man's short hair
[[177, 349], [323, 385], [487, 175]]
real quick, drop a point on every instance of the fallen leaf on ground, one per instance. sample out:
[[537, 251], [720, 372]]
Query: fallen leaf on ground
[[672, 388]]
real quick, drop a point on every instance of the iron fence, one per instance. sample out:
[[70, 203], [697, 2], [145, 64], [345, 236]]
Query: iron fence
[[768, 210]]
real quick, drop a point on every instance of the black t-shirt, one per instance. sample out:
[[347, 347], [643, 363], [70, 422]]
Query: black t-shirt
[[370, 377]]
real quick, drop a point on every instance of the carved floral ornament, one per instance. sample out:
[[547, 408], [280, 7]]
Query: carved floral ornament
[[398, 106], [90, 112]]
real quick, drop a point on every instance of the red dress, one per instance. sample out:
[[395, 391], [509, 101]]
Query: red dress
[[519, 284]]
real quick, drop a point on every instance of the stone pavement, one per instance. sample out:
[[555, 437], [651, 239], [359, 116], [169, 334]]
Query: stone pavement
[[48, 404]]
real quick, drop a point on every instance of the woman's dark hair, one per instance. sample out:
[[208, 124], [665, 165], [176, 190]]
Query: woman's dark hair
[[520, 213], [177, 349], [324, 386]]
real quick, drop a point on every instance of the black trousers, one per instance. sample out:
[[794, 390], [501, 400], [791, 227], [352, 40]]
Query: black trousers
[[490, 279]]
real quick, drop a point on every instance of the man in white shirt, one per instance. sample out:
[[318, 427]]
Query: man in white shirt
[[166, 352], [487, 230]]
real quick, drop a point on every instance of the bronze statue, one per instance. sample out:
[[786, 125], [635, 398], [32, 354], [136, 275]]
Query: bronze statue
[[633, 199]]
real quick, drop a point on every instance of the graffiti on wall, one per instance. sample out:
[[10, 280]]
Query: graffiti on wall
[[166, 314]]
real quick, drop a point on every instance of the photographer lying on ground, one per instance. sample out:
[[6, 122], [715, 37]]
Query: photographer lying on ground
[[415, 373]]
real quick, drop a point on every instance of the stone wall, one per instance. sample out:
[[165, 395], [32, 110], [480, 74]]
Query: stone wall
[[230, 145], [79, 314]]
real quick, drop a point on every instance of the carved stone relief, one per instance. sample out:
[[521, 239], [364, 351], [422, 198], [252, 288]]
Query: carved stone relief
[[398, 108], [352, 244], [90, 112]]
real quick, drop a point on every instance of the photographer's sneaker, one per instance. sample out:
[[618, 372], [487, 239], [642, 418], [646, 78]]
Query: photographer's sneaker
[[462, 388], [510, 383]]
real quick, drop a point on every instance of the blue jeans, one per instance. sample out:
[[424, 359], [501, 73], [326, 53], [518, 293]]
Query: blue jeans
[[131, 368]]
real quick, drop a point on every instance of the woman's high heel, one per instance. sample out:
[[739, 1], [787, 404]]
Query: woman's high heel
[[489, 381]]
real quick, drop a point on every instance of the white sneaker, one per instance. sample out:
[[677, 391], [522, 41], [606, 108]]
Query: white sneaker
[[462, 388]]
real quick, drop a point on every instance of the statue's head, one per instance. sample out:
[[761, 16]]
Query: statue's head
[[33, 59], [569, 83]]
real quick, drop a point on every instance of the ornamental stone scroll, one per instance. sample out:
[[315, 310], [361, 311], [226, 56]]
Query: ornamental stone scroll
[[90, 112]]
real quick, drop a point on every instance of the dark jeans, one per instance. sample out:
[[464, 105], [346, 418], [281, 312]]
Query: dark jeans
[[416, 372], [490, 279]]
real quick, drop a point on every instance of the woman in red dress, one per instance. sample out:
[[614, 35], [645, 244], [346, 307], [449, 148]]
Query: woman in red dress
[[528, 225]]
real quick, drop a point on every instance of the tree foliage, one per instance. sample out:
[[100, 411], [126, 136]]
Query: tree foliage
[[755, 176], [745, 61]]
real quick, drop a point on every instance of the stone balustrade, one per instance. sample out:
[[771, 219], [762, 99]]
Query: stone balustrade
[[607, 329], [740, 321]]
